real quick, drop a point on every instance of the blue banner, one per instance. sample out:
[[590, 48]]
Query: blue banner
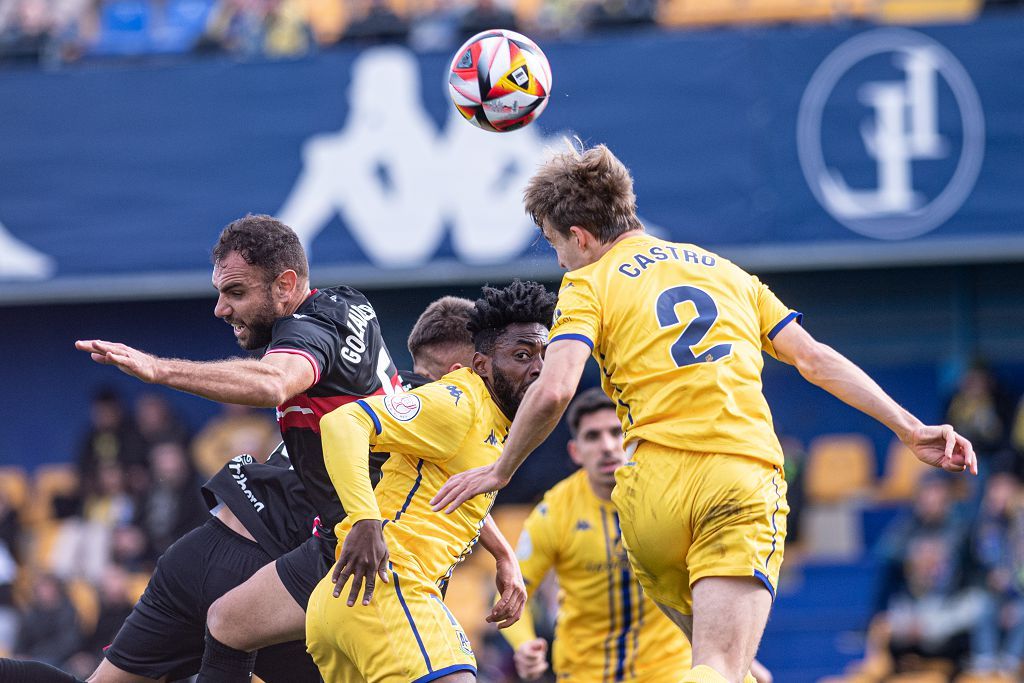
[[783, 148]]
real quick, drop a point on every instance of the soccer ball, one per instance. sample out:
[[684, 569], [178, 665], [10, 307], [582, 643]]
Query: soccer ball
[[499, 80]]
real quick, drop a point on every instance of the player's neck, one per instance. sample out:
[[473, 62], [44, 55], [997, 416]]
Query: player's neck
[[603, 249], [602, 492], [296, 300]]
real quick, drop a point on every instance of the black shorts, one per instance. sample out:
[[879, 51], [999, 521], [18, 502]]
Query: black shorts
[[301, 569], [164, 634]]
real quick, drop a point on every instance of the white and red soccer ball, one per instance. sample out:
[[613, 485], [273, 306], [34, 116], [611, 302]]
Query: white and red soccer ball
[[499, 80]]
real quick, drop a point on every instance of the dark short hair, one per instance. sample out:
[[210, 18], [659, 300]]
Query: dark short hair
[[590, 188], [264, 242], [585, 403], [496, 309], [442, 323]]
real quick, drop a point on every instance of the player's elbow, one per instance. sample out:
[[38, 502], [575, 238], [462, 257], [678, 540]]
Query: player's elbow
[[553, 396], [813, 361]]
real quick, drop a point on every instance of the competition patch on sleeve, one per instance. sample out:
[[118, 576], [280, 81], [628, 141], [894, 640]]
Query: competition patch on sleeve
[[403, 407]]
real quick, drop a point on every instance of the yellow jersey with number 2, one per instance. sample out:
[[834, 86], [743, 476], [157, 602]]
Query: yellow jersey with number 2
[[678, 333]]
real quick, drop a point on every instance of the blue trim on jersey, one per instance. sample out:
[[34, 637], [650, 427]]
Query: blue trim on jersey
[[627, 612], [445, 671], [373, 416], [775, 528], [412, 624], [451, 617], [766, 581], [572, 335], [412, 491], [794, 315], [611, 591]]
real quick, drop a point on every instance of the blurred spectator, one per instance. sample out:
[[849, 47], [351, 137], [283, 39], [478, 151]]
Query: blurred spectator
[[288, 33], [980, 412], [1017, 438], [115, 604], [8, 613], [10, 527], [236, 27], [374, 21], [174, 505], [484, 15], [934, 515], [238, 429], [998, 552], [157, 422], [615, 13], [437, 28], [83, 543], [327, 19], [129, 549], [49, 631], [930, 617], [111, 439]]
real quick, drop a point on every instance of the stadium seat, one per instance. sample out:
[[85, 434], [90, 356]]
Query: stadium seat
[[50, 481], [902, 472], [87, 603], [14, 486], [839, 467]]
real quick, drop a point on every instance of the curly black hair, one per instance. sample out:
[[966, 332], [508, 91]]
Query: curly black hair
[[264, 242], [519, 302]]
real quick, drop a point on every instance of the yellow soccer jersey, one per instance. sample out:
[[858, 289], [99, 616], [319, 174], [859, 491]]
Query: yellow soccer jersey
[[433, 432], [678, 333], [607, 630]]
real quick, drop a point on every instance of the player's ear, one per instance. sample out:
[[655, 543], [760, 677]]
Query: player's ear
[[580, 235], [454, 367], [573, 453], [482, 364], [285, 284]]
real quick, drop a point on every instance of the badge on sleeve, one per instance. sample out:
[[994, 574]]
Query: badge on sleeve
[[403, 407]]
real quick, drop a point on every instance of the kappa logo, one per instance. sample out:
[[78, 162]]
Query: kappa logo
[[582, 525], [491, 439], [403, 407], [455, 392], [921, 134]]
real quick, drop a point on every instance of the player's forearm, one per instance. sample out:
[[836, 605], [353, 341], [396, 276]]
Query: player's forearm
[[494, 542], [240, 381], [837, 375], [538, 415], [346, 437]]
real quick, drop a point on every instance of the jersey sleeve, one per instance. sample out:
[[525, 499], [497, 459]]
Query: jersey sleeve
[[346, 433], [537, 551], [772, 314], [315, 340], [430, 422], [577, 313]]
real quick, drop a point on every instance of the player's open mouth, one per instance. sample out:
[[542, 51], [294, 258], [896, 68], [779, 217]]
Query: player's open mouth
[[238, 329], [608, 467]]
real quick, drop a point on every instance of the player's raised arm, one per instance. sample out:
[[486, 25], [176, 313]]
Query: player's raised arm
[[821, 365], [541, 409], [264, 383]]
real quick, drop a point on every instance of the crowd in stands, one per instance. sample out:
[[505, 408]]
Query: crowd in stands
[[78, 544], [951, 595], [54, 32]]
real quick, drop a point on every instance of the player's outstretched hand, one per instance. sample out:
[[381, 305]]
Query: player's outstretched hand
[[364, 557], [941, 446], [126, 359], [512, 593], [465, 485], [531, 659]]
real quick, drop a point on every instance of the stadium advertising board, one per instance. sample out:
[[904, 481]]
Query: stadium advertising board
[[783, 148]]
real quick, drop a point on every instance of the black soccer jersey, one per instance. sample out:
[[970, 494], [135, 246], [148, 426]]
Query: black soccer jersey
[[268, 499], [337, 331]]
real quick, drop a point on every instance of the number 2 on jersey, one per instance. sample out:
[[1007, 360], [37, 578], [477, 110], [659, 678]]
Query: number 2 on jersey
[[694, 332]]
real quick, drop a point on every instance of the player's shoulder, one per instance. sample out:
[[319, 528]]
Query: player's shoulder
[[565, 493]]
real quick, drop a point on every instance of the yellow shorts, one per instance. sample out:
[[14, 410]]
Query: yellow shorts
[[686, 516], [406, 634]]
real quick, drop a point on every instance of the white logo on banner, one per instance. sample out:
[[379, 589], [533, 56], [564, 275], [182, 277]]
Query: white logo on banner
[[397, 182], [18, 261], [903, 127]]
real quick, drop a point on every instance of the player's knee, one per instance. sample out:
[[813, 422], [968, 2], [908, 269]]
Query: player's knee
[[219, 619]]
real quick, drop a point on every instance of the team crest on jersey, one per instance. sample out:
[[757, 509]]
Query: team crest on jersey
[[464, 643], [403, 407]]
